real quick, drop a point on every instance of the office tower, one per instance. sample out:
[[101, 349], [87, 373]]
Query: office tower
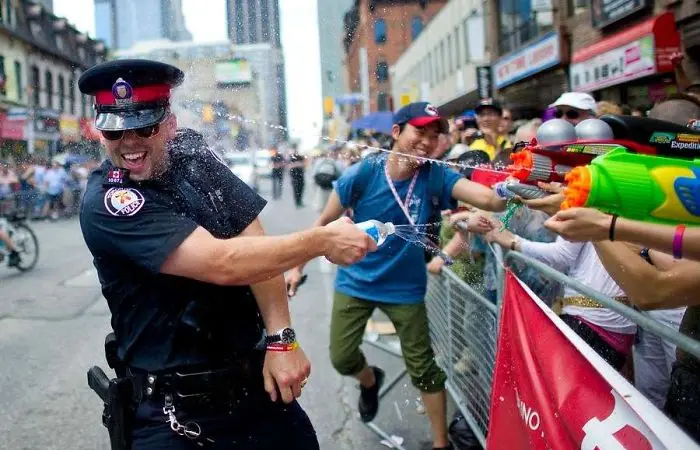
[[258, 22], [122, 23]]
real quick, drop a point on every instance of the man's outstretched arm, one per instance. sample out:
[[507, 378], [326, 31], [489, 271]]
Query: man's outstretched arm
[[247, 260]]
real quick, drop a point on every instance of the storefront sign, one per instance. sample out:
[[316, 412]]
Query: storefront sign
[[536, 57], [637, 52], [484, 86], [605, 12], [11, 128], [629, 62]]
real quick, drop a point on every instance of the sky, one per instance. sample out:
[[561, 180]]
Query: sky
[[206, 20]]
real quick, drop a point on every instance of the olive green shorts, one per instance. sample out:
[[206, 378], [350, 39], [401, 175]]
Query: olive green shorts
[[348, 322]]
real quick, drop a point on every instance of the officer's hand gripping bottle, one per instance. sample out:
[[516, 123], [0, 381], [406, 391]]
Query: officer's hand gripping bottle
[[377, 230]]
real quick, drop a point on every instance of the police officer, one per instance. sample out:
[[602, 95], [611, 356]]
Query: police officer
[[191, 281]]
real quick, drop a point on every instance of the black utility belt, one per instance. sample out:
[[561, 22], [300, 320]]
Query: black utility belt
[[191, 389]]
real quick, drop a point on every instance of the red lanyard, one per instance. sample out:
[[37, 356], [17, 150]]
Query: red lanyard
[[403, 205]]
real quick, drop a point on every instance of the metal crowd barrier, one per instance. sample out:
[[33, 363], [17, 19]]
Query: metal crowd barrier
[[463, 329]]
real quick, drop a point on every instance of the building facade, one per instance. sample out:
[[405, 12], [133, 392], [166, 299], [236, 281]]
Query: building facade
[[253, 22], [529, 49], [231, 92], [618, 51], [687, 15], [625, 56], [330, 33], [258, 22], [377, 32], [440, 66], [41, 59], [122, 23]]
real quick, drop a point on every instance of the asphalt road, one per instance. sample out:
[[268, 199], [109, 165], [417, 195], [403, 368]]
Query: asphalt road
[[52, 325]]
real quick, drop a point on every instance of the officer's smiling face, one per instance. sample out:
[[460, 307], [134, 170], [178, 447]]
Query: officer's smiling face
[[145, 158]]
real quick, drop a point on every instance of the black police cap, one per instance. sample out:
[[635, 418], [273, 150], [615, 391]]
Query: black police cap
[[130, 93]]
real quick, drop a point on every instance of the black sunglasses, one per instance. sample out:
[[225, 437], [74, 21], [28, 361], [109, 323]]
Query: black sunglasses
[[143, 132], [570, 114]]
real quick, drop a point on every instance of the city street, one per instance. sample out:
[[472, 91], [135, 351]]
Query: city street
[[52, 325]]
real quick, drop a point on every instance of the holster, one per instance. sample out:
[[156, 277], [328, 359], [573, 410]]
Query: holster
[[118, 397]]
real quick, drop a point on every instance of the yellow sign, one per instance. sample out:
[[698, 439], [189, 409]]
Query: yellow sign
[[328, 106], [405, 99]]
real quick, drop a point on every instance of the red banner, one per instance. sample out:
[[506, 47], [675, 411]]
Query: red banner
[[552, 391]]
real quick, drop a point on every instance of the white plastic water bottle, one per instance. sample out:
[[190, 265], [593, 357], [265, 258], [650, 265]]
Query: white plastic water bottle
[[377, 230]]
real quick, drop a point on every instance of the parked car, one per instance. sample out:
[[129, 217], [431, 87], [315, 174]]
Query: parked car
[[241, 165]]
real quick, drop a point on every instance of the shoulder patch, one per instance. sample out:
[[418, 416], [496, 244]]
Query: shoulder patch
[[123, 201]]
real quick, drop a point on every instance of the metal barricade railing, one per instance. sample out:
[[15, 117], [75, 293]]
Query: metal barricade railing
[[463, 329], [463, 332]]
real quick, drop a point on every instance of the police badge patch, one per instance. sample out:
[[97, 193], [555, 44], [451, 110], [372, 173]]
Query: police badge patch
[[122, 91], [123, 201]]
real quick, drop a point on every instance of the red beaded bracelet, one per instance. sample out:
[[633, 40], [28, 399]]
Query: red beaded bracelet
[[282, 347]]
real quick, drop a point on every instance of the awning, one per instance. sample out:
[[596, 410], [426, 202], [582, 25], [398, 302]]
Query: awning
[[642, 50]]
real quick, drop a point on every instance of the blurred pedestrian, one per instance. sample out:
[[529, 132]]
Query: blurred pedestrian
[[277, 172], [297, 169]]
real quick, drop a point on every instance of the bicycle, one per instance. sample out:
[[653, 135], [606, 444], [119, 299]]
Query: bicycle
[[22, 236]]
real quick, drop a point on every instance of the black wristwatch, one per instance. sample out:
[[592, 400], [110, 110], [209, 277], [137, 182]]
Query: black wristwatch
[[285, 336]]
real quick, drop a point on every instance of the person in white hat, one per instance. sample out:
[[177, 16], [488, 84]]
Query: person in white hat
[[575, 107]]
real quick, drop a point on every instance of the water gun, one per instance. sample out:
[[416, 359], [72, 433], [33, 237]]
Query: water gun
[[662, 186], [558, 148]]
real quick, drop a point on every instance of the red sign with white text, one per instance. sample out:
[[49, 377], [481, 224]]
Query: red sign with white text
[[11, 129], [552, 391]]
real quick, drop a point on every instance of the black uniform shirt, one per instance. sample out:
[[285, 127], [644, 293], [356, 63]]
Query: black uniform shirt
[[163, 321]]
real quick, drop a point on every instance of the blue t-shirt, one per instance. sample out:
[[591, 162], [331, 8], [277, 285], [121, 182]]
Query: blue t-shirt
[[396, 272]]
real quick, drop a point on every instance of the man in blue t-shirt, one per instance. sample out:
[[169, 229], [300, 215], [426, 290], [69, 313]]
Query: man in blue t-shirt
[[394, 278]]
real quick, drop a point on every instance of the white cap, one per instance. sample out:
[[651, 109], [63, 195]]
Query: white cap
[[578, 100]]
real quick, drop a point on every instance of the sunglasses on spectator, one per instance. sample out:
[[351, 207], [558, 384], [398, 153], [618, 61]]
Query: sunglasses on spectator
[[570, 114], [143, 132]]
